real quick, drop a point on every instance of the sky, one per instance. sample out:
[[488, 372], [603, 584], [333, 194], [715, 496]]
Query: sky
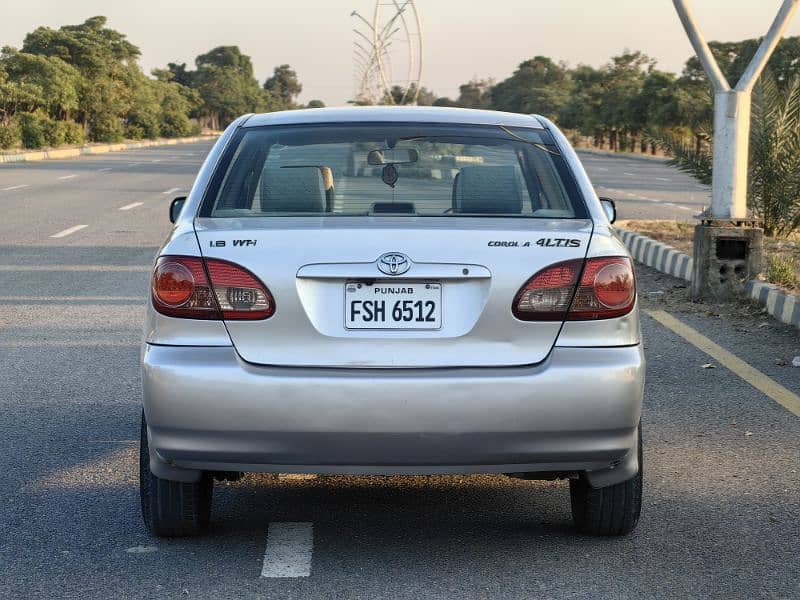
[[464, 39]]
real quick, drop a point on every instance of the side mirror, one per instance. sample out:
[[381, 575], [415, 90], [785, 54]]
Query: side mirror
[[175, 208], [610, 208]]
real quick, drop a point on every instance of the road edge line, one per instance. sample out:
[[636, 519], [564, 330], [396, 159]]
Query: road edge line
[[763, 383]]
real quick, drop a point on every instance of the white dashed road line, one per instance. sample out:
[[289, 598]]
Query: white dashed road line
[[134, 164], [687, 208], [65, 177], [663, 179], [629, 174], [104, 170], [68, 231], [15, 187], [131, 205], [289, 550], [599, 168], [170, 191]]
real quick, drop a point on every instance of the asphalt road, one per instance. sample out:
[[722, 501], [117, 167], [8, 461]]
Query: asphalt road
[[646, 187], [722, 491]]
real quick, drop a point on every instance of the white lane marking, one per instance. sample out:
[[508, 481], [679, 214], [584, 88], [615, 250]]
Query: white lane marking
[[156, 160], [134, 164], [663, 179], [104, 170], [131, 205], [599, 168], [68, 231], [15, 187], [629, 174], [65, 177], [289, 550], [687, 208], [170, 191]]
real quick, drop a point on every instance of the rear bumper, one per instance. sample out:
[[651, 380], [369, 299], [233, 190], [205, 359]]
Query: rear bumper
[[577, 411]]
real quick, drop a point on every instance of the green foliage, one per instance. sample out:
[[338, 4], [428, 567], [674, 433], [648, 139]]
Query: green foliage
[[73, 132], [774, 182], [10, 135], [782, 271], [32, 130], [477, 93], [107, 128], [537, 86], [83, 81], [284, 85], [315, 104]]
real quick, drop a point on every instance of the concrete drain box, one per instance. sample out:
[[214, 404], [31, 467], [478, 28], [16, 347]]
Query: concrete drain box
[[727, 254]]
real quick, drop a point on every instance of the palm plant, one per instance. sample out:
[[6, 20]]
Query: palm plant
[[774, 166]]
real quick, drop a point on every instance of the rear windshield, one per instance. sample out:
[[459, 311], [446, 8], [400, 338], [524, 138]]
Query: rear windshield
[[392, 169]]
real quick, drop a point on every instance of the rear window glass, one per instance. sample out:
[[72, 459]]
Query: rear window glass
[[392, 169]]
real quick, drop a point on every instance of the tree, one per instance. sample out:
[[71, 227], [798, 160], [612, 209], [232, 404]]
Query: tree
[[315, 104], [539, 85], [106, 61], [623, 78], [52, 82], [225, 81], [477, 93], [284, 85], [399, 95]]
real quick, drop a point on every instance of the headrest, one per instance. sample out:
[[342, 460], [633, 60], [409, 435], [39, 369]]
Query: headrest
[[293, 189], [487, 190]]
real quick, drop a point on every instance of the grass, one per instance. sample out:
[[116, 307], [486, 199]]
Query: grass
[[782, 255]]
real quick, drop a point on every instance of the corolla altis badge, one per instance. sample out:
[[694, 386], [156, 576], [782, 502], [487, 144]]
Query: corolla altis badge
[[394, 263]]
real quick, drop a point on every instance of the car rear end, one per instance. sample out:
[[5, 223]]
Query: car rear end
[[393, 292]]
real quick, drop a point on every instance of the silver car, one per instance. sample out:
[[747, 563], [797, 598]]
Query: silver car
[[395, 291]]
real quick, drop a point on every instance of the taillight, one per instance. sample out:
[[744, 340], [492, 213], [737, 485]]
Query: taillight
[[181, 288], [241, 296], [607, 289]]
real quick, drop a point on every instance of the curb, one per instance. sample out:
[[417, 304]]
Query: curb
[[657, 255], [784, 306], [628, 155], [38, 155]]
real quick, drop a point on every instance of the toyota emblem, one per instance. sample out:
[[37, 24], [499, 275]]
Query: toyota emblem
[[394, 263]]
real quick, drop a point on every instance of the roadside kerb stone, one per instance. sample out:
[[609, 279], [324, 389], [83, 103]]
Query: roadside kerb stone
[[61, 153], [782, 305]]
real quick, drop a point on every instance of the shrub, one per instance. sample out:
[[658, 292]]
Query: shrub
[[53, 131], [782, 271], [9, 134], [31, 130], [134, 131], [106, 128], [73, 132]]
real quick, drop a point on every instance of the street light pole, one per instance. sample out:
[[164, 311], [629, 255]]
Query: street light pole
[[727, 244], [732, 111]]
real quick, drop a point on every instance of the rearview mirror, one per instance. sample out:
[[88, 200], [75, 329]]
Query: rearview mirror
[[392, 156], [175, 208], [610, 209]]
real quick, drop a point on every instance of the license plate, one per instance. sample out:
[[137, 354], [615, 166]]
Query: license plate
[[393, 305]]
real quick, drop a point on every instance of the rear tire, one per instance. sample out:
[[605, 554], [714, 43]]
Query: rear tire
[[172, 508], [612, 510]]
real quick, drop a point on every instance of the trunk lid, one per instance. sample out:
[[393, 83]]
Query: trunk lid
[[479, 264]]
